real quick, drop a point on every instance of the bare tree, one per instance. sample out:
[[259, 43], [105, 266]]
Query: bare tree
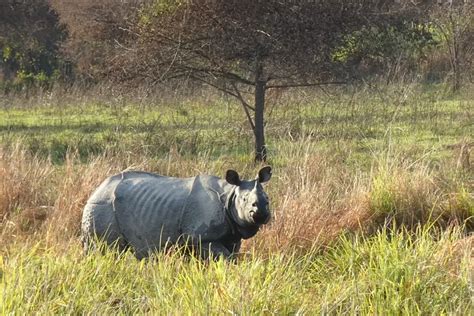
[[244, 47], [454, 20], [95, 31], [241, 47]]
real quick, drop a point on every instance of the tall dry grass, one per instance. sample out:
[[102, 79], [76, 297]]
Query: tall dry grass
[[26, 190], [315, 198], [39, 200]]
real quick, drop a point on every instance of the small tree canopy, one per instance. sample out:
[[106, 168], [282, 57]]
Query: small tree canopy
[[214, 40]]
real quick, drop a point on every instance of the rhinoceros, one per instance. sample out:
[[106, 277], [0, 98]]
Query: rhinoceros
[[149, 212]]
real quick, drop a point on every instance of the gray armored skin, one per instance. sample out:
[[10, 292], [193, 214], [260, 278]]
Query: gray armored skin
[[149, 212]]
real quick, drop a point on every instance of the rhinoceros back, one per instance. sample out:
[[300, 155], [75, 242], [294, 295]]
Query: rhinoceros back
[[139, 209], [149, 209]]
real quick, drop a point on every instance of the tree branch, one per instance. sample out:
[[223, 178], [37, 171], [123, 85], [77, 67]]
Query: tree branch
[[193, 76], [245, 106], [220, 73], [295, 85], [235, 94]]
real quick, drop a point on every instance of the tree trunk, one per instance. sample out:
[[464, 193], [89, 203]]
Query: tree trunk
[[456, 65], [7, 73], [455, 58], [260, 87]]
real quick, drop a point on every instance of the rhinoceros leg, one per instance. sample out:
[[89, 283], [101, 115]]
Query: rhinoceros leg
[[141, 253], [214, 250], [234, 248]]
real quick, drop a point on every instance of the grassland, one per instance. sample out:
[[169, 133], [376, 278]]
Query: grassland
[[395, 274], [372, 197]]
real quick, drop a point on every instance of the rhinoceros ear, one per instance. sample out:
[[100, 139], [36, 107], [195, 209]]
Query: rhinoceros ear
[[264, 174], [232, 177]]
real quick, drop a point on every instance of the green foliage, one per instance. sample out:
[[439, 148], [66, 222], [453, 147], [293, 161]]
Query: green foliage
[[33, 67], [30, 55], [7, 53], [377, 44], [158, 8]]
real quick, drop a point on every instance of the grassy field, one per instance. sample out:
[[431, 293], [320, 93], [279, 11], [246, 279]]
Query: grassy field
[[372, 197], [384, 274]]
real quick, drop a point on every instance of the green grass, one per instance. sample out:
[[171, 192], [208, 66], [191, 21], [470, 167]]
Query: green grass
[[391, 273], [94, 129], [359, 123]]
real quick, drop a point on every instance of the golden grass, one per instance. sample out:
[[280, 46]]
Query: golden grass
[[315, 199]]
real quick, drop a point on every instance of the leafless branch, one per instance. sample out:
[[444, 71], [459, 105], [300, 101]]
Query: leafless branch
[[245, 106], [314, 84]]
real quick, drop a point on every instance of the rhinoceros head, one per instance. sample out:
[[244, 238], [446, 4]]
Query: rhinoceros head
[[251, 202]]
